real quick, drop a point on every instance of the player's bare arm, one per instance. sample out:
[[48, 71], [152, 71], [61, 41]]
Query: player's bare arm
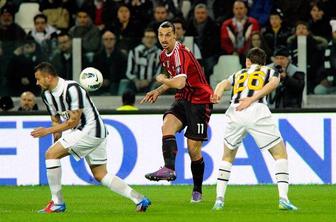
[[74, 118], [178, 82], [267, 89], [219, 90], [152, 96], [56, 120]]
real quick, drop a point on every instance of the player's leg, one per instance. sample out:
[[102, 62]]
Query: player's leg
[[54, 174], [197, 118], [224, 173], [233, 136], [279, 154], [171, 125], [119, 186], [197, 168], [267, 136]]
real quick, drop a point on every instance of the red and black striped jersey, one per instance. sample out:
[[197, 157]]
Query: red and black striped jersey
[[181, 62]]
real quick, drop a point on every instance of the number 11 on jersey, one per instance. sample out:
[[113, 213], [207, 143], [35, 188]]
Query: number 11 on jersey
[[200, 128]]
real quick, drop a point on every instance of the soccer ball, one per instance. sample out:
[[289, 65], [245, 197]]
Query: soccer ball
[[91, 79]]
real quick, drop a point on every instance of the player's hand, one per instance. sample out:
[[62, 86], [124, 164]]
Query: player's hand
[[39, 132], [161, 78], [150, 97], [215, 98], [244, 103]]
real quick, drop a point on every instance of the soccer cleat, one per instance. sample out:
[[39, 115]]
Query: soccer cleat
[[196, 197], [163, 173], [219, 205], [143, 205], [53, 208], [286, 205]]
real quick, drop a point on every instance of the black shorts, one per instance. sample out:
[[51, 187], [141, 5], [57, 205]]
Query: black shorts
[[193, 116]]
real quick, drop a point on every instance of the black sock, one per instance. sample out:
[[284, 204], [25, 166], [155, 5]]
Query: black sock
[[197, 169], [169, 150]]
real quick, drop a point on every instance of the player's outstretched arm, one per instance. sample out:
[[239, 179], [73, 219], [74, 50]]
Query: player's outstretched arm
[[178, 82], [74, 118], [152, 96], [219, 91]]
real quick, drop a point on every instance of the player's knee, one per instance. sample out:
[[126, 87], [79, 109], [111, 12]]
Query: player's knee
[[50, 154], [167, 130]]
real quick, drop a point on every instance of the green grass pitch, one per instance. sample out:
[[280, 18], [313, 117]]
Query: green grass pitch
[[170, 204]]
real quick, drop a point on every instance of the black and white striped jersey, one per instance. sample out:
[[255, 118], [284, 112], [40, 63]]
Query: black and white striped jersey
[[143, 63], [69, 96], [246, 82]]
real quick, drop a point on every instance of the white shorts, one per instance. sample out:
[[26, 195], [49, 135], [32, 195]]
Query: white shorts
[[82, 145], [257, 121]]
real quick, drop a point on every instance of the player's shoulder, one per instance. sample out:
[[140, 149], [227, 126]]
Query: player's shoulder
[[182, 48], [241, 71], [72, 83], [163, 54], [266, 68]]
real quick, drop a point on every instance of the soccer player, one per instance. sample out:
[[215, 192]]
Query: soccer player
[[192, 107], [72, 110], [249, 113]]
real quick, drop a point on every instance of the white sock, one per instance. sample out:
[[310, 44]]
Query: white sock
[[54, 174], [223, 179], [119, 186], [282, 177]]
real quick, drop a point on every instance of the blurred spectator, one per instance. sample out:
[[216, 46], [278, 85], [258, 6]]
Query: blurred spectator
[[45, 35], [218, 10], [289, 92], [3, 67], [236, 32], [294, 11], [20, 70], [180, 30], [260, 10], [6, 103], [102, 12], [171, 6], [111, 62], [315, 49], [318, 23], [328, 7], [141, 11], [258, 41], [206, 35], [10, 33], [62, 59], [28, 102], [144, 63], [328, 72], [276, 33], [88, 32], [58, 12], [98, 14], [128, 100], [127, 30], [161, 14]]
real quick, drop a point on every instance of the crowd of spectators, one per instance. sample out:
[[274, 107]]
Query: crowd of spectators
[[119, 38]]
